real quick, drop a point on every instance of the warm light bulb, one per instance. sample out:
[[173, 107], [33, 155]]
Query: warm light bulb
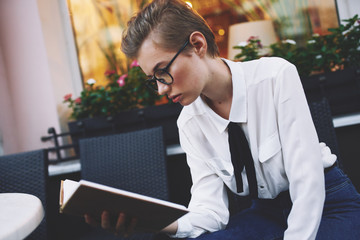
[[221, 32]]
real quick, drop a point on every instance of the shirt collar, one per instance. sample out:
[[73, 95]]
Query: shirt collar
[[238, 111]]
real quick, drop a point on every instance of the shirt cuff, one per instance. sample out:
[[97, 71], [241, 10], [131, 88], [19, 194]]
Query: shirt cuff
[[184, 228]]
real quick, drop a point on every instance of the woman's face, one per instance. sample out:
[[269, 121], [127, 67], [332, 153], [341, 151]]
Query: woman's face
[[187, 70]]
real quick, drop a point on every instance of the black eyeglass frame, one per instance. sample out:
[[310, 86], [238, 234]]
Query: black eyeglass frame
[[151, 82]]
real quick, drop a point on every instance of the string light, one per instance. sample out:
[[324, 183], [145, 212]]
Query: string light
[[221, 32]]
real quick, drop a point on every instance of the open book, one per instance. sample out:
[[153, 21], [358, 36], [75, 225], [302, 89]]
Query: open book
[[84, 197]]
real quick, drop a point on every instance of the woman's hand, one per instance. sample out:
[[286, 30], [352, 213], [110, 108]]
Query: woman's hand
[[123, 225]]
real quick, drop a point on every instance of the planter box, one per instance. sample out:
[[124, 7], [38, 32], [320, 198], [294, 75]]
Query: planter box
[[136, 119], [341, 88]]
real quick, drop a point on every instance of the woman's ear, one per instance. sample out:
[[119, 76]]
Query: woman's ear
[[198, 41]]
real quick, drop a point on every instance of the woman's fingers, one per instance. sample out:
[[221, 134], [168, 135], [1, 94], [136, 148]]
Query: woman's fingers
[[120, 223], [105, 220], [91, 221], [131, 228], [124, 225]]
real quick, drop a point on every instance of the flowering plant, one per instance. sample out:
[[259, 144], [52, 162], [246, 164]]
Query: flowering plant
[[249, 50], [123, 92], [339, 49]]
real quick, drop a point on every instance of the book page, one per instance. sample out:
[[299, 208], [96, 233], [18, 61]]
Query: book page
[[131, 194], [69, 187]]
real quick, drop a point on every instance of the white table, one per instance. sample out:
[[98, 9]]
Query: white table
[[20, 214]]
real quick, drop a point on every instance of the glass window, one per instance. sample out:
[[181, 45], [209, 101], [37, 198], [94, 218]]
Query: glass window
[[98, 24]]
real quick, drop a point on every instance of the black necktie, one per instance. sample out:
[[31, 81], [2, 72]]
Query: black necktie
[[240, 157]]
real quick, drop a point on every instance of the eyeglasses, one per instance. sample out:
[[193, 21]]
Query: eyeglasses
[[162, 74]]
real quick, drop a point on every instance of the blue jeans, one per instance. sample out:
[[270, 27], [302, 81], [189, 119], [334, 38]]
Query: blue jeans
[[266, 219]]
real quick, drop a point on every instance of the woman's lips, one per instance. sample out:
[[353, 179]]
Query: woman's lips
[[176, 98]]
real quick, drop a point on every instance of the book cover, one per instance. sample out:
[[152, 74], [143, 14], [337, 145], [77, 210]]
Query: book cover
[[84, 197]]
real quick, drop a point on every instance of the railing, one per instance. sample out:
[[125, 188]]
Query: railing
[[132, 120], [58, 148]]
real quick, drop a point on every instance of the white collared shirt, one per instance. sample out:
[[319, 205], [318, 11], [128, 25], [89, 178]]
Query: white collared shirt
[[269, 103]]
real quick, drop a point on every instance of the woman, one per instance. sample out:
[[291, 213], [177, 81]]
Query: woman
[[176, 49]]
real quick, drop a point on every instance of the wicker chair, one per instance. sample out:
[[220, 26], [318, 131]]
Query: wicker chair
[[322, 118], [26, 173], [133, 161]]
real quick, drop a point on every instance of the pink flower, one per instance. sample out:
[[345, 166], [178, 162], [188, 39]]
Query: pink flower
[[121, 80], [78, 100], [67, 97], [109, 72], [252, 38], [134, 64]]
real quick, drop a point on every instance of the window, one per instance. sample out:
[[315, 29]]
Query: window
[[98, 25]]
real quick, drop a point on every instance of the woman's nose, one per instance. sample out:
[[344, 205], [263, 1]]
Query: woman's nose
[[162, 88]]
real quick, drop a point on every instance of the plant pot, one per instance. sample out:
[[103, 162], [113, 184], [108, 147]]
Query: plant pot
[[163, 115], [341, 88]]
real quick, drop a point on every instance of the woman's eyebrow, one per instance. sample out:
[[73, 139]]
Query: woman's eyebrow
[[156, 66]]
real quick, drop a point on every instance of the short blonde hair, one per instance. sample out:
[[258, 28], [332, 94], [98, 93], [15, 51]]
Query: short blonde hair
[[172, 20]]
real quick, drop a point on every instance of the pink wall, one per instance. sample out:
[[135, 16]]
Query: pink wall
[[6, 116], [27, 104]]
